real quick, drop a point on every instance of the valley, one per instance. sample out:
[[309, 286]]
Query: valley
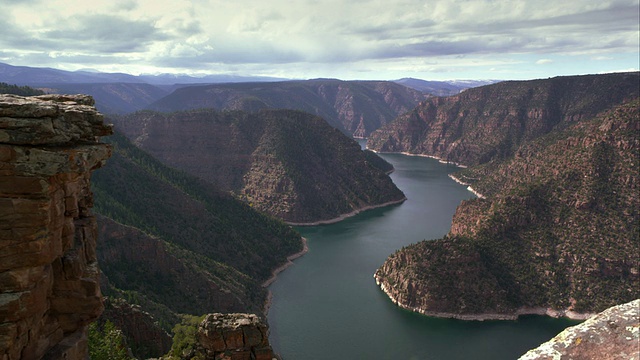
[[197, 207]]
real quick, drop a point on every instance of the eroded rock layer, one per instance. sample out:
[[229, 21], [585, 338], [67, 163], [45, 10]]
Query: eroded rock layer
[[491, 122], [48, 268], [233, 336]]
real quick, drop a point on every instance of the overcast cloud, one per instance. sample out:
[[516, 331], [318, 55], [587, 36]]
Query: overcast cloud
[[361, 39]]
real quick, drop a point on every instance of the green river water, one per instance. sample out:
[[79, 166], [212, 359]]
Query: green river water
[[327, 305]]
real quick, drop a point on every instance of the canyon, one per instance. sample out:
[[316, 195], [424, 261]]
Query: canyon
[[556, 230]]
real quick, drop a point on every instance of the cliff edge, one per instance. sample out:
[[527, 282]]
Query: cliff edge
[[48, 269]]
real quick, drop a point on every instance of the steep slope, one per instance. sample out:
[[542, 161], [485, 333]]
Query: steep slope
[[559, 230], [491, 122], [354, 107], [173, 244], [287, 163], [138, 190]]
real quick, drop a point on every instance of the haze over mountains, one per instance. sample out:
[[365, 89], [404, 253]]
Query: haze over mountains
[[119, 93]]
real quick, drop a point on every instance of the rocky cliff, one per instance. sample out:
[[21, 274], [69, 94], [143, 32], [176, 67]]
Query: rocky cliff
[[232, 336], [48, 268], [557, 233], [354, 107], [612, 334], [491, 122], [286, 163]]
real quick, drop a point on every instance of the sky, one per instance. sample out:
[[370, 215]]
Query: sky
[[345, 39]]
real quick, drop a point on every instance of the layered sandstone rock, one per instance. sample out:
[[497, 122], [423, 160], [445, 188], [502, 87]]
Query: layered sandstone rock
[[612, 334], [48, 271], [234, 336]]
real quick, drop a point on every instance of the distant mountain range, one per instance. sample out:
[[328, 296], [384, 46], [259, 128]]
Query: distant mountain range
[[37, 77], [443, 88], [354, 107], [119, 93]]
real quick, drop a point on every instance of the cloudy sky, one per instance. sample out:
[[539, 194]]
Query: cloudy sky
[[347, 39]]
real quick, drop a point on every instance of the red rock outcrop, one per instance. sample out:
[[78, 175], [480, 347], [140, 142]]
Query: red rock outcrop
[[48, 268], [233, 336]]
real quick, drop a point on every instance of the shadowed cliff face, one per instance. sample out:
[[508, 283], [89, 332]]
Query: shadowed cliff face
[[491, 122], [48, 267]]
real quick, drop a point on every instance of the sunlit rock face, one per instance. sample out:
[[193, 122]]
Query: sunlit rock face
[[612, 334], [48, 269]]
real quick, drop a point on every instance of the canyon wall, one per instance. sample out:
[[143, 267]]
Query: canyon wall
[[48, 267], [556, 234], [491, 122]]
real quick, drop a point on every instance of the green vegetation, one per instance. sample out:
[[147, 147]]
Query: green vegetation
[[106, 342], [137, 190], [19, 90], [175, 245], [184, 339]]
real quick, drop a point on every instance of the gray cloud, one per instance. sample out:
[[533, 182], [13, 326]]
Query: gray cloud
[[405, 34], [105, 34]]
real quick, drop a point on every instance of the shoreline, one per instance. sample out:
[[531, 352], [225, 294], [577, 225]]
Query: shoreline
[[347, 215], [554, 313], [281, 268], [469, 188], [421, 155]]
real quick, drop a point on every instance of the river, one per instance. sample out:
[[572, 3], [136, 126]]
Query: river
[[327, 305]]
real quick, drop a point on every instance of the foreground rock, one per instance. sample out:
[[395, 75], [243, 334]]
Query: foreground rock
[[612, 334], [233, 336], [48, 268]]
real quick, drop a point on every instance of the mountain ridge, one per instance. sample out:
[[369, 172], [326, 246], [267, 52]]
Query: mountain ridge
[[354, 107], [290, 164], [492, 121]]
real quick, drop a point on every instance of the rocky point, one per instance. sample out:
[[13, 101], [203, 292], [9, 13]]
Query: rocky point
[[48, 269]]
